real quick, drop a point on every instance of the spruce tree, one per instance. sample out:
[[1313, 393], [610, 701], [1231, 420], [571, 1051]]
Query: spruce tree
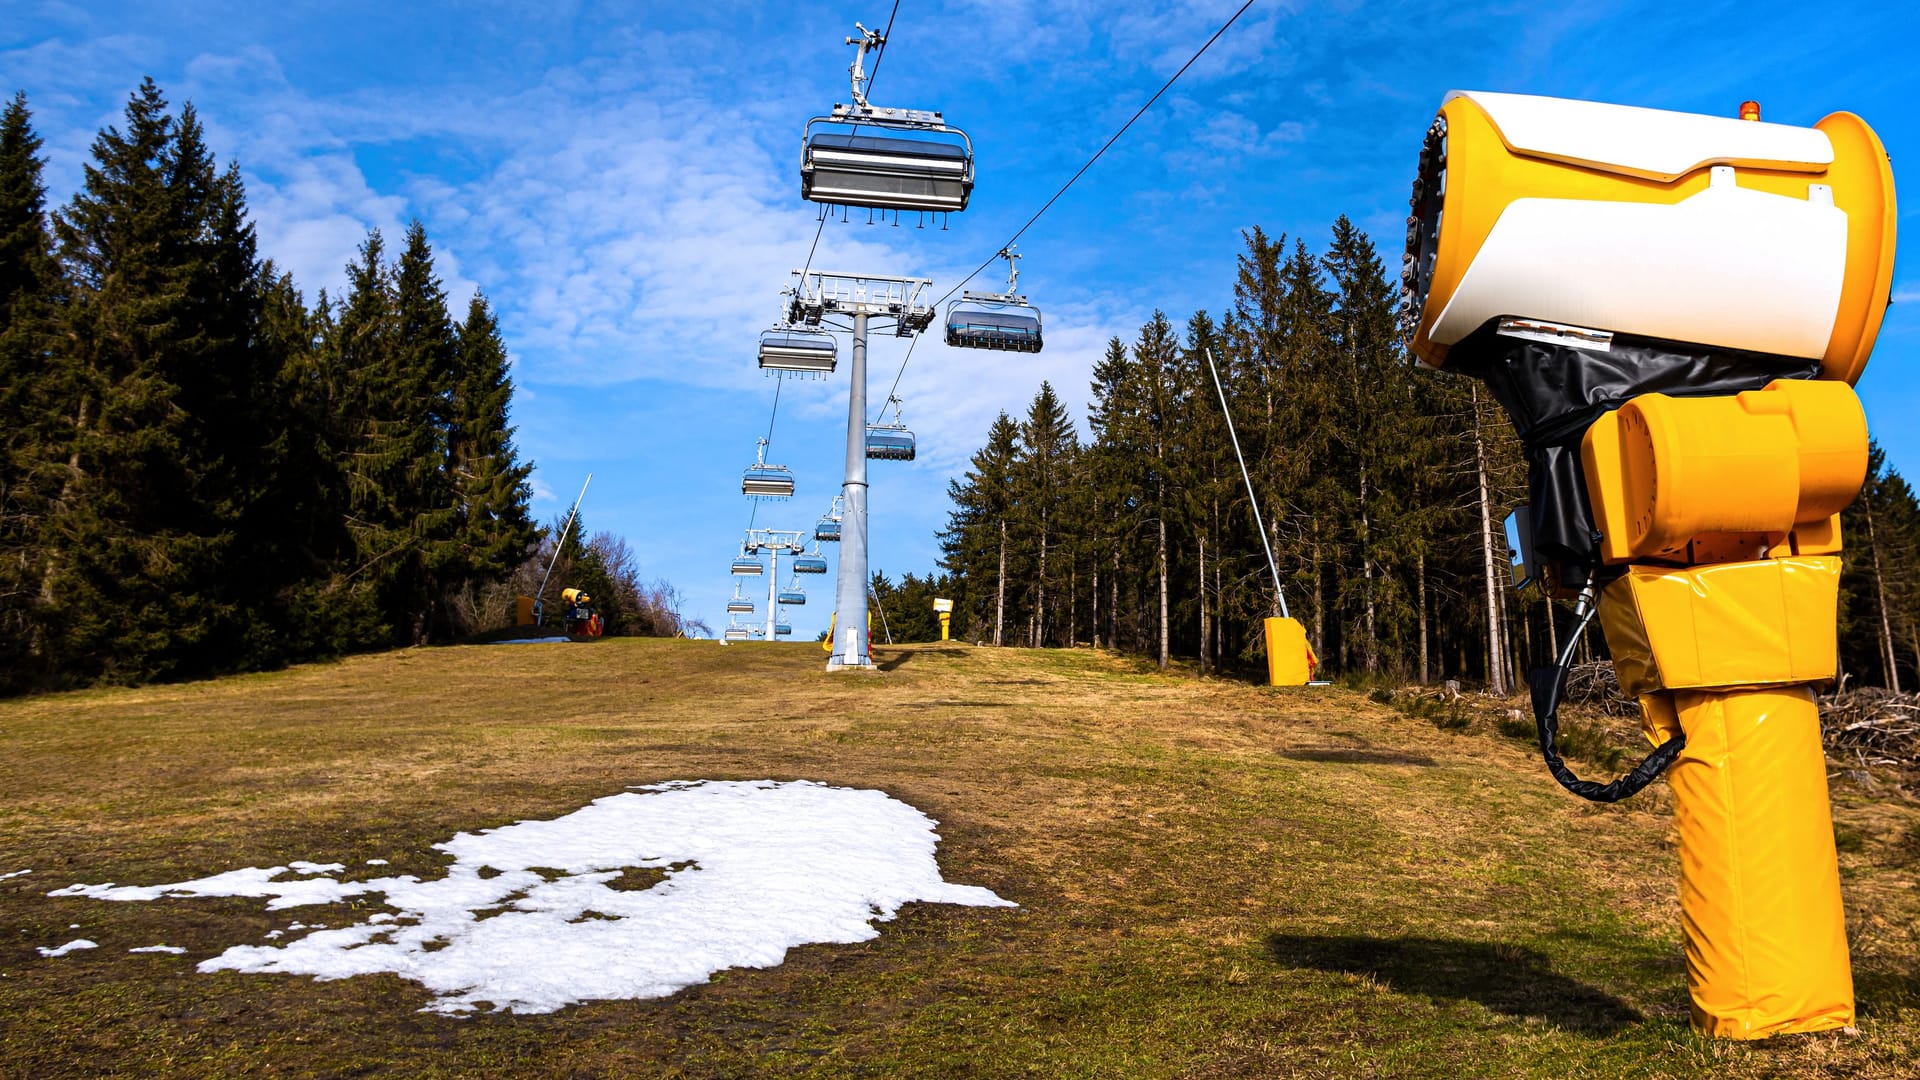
[[140, 533], [975, 545], [30, 288], [488, 481], [1042, 485]]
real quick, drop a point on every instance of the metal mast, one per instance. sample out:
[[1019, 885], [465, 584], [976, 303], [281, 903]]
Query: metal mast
[[863, 298], [773, 542], [1253, 499], [539, 595]]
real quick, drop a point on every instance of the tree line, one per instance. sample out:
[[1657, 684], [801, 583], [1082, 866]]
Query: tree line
[[1383, 487], [199, 472]]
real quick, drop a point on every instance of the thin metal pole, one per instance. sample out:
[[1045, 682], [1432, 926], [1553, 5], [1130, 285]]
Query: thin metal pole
[[883, 614], [540, 594], [1259, 526], [773, 583], [850, 592]]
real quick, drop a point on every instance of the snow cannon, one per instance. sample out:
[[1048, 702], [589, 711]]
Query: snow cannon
[[1290, 657], [583, 619], [1672, 309]]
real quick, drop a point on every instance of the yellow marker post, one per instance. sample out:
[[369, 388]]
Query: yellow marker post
[[944, 608], [1673, 309]]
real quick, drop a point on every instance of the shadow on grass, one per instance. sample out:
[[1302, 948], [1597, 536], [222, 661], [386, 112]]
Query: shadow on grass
[[1881, 993], [905, 655], [1505, 978]]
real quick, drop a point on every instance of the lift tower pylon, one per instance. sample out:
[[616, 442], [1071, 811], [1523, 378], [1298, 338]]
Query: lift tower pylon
[[862, 298]]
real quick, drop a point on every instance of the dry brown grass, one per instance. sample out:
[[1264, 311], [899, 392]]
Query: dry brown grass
[[1215, 879]]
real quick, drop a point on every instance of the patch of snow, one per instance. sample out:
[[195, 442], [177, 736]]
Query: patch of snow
[[316, 868], [753, 868], [271, 934], [15, 873], [376, 862], [71, 946], [174, 949]]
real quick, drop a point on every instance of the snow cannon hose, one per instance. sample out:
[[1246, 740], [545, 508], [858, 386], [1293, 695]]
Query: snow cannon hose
[[1546, 686]]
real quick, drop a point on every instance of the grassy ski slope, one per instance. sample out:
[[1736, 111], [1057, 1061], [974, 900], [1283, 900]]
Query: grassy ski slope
[[1214, 879]]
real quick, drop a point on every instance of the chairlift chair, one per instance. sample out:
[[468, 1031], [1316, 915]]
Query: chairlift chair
[[781, 629], [890, 442], [798, 349], [914, 162], [737, 633], [827, 529], [739, 605], [748, 566], [1003, 321], [764, 481], [791, 596], [813, 563]]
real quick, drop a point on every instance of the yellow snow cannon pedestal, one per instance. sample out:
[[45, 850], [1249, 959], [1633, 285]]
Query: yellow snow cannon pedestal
[[1759, 880], [1748, 488], [1290, 658], [1672, 309]]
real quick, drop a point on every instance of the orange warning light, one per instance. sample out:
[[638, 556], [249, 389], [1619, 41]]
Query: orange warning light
[[1750, 110]]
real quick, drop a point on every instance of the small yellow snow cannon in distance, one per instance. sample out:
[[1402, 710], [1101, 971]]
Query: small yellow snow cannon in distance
[[582, 618], [1672, 309]]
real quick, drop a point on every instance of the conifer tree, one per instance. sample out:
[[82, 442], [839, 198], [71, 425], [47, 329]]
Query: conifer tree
[[30, 287], [974, 546], [489, 483], [140, 534], [1041, 484]]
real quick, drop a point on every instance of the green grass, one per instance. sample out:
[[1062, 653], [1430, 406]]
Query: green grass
[[1215, 880]]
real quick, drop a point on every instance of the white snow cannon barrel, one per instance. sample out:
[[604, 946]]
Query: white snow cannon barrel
[[1575, 255], [1705, 230]]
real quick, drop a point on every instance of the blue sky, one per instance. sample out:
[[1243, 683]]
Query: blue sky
[[621, 180]]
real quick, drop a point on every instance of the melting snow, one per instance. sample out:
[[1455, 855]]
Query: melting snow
[[174, 949], [71, 946], [15, 873], [752, 869]]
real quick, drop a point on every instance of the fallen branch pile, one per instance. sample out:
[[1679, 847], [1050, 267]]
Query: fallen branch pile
[[1595, 686], [1873, 726]]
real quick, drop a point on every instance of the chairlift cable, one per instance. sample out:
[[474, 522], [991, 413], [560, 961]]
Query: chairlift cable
[[1224, 27]]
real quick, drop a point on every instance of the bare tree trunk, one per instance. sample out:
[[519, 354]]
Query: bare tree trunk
[[1496, 661], [1203, 602], [1164, 623], [1096, 602], [1219, 638], [1073, 601], [1000, 588], [1319, 605], [1040, 604], [1114, 600], [1370, 649], [1553, 632], [1880, 591], [1420, 585]]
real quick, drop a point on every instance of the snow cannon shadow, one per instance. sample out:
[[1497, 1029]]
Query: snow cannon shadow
[[1507, 979]]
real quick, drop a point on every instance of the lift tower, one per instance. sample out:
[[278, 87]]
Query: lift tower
[[861, 298]]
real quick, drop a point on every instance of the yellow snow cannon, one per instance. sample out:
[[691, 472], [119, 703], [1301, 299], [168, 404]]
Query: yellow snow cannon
[[582, 618], [1672, 310]]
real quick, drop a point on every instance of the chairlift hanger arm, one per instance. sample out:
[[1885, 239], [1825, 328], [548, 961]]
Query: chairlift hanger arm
[[868, 39]]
